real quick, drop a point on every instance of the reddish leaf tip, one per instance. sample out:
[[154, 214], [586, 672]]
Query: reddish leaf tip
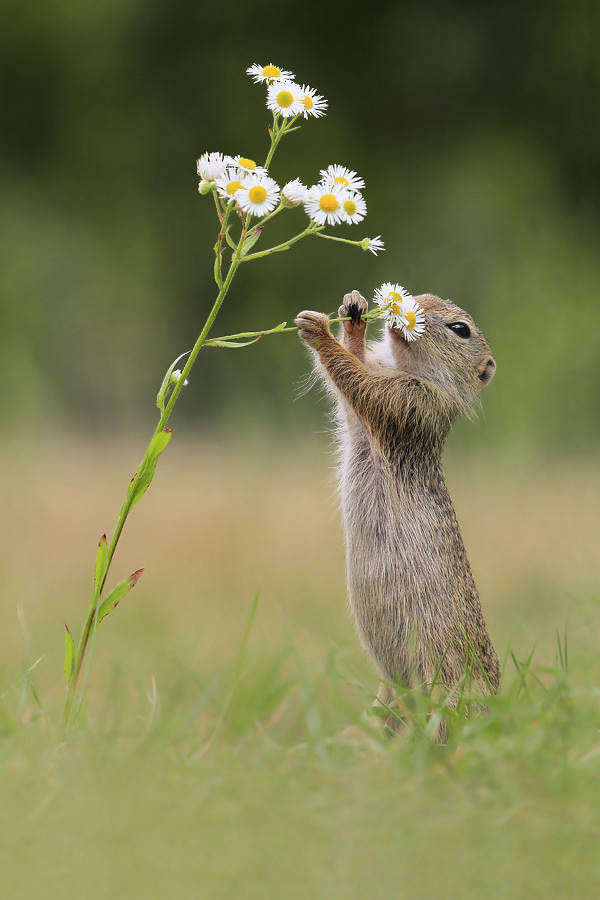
[[102, 538], [135, 577], [167, 430], [67, 628]]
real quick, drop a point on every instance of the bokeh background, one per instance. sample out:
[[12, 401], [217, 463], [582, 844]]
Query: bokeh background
[[476, 128]]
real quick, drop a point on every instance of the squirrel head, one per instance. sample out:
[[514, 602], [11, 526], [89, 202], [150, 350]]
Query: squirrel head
[[452, 355]]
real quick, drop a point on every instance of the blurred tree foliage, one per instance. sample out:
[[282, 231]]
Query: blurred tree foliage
[[476, 129]]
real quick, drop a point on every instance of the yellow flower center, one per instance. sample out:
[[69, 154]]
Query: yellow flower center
[[396, 308], [284, 99], [411, 320], [329, 203], [271, 72], [339, 179], [233, 186], [257, 194], [395, 300], [308, 104], [246, 163], [350, 207]]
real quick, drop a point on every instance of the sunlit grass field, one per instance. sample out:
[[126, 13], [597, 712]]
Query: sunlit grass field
[[229, 747]]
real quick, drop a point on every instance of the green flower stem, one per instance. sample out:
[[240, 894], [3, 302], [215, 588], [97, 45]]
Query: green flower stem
[[373, 314], [279, 248], [332, 237], [90, 622], [266, 218]]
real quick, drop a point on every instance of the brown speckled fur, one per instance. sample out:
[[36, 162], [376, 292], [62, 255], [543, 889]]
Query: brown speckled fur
[[410, 584]]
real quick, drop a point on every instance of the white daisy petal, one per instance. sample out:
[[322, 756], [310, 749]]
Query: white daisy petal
[[314, 104], [258, 195], [294, 192], [343, 177], [230, 182], [375, 245], [285, 98], [393, 299], [211, 166], [246, 165], [325, 204], [355, 208], [413, 319], [267, 73]]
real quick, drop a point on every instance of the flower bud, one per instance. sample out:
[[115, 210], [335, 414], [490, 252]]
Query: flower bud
[[204, 187]]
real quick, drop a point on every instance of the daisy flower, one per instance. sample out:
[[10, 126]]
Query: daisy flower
[[258, 195], [394, 300], [355, 208], [343, 177], [325, 204], [294, 192], [314, 104], [267, 73], [211, 165], [413, 319], [375, 245], [247, 165], [230, 182], [285, 98]]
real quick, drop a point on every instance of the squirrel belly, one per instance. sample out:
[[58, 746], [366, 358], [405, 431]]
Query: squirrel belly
[[410, 584]]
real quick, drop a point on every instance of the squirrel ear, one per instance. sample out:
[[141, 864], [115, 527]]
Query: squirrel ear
[[487, 370]]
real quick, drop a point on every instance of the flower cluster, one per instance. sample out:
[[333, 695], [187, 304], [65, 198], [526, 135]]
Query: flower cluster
[[239, 181], [400, 310]]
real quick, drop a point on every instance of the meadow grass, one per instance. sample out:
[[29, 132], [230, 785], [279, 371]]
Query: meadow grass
[[230, 748]]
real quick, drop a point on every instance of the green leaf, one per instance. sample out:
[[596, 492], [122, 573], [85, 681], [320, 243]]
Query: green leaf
[[117, 594], [69, 654], [162, 391], [143, 477], [101, 566], [233, 344], [250, 241]]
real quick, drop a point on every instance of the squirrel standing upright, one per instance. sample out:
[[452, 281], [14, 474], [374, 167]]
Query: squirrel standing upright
[[410, 585]]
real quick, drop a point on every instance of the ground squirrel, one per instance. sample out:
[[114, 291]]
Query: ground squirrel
[[410, 584]]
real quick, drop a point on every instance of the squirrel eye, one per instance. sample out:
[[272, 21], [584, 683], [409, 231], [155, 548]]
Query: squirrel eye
[[460, 328]]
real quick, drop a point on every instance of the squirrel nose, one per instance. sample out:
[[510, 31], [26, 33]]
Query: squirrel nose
[[486, 373]]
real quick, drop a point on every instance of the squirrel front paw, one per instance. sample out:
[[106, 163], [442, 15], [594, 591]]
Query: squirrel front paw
[[313, 327], [355, 306]]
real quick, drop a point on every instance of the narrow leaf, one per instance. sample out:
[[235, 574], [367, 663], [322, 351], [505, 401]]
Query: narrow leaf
[[139, 485], [250, 241], [101, 566], [117, 594], [69, 654], [233, 344], [162, 391]]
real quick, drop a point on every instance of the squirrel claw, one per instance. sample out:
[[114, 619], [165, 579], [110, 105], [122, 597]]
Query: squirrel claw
[[354, 306]]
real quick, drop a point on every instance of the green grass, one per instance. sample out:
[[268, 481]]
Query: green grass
[[229, 751]]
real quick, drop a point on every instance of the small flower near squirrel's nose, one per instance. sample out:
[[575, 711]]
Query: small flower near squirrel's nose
[[313, 103], [211, 166], [245, 165], [258, 195], [342, 177], [375, 245], [267, 73], [413, 320], [285, 98], [392, 299], [294, 192], [176, 376], [325, 204], [355, 208]]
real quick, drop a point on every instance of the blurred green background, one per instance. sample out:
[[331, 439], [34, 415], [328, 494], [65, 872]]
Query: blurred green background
[[475, 127]]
